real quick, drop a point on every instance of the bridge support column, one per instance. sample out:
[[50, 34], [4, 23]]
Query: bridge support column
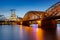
[[48, 24], [26, 23]]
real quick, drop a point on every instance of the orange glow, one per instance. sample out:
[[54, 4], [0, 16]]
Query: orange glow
[[39, 34], [21, 22], [28, 29], [21, 33], [39, 22]]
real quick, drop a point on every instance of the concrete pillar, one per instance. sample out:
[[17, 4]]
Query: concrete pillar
[[26, 23], [48, 24]]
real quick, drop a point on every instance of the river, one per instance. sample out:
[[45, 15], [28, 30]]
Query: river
[[20, 32]]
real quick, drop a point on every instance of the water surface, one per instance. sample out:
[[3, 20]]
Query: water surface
[[19, 32]]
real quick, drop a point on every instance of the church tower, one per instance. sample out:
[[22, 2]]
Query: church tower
[[13, 16]]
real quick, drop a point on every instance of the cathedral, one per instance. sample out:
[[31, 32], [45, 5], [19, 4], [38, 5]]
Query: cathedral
[[13, 16]]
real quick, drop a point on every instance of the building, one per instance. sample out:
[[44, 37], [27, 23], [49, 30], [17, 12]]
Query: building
[[13, 16], [2, 18]]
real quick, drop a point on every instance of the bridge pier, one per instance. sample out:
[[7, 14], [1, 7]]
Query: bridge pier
[[26, 23], [48, 24]]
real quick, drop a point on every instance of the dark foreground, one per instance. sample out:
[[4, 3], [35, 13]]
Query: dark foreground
[[19, 32]]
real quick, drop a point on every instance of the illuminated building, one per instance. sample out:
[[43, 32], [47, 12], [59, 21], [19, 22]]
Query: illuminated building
[[13, 16]]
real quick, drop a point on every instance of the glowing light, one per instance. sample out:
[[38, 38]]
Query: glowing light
[[39, 34], [21, 32], [39, 22]]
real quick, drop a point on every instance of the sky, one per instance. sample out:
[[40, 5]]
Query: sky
[[23, 6]]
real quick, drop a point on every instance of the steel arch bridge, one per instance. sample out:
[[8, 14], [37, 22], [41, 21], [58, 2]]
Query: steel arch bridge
[[53, 13], [48, 17]]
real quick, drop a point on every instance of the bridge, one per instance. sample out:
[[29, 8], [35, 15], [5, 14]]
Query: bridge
[[46, 19]]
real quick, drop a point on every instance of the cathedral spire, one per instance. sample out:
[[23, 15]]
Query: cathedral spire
[[13, 16], [12, 11]]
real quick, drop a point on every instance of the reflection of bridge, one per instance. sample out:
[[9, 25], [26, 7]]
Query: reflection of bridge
[[48, 18]]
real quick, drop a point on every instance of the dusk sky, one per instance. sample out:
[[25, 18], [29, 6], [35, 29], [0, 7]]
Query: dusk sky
[[23, 6]]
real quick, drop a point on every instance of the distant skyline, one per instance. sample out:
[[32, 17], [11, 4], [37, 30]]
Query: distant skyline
[[23, 6]]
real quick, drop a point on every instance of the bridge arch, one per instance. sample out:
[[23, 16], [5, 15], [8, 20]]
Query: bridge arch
[[31, 15], [54, 10]]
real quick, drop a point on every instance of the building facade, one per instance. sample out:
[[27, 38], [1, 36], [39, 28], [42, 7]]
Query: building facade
[[13, 16]]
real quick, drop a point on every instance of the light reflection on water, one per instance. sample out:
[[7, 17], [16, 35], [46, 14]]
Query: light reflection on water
[[58, 31], [19, 32]]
